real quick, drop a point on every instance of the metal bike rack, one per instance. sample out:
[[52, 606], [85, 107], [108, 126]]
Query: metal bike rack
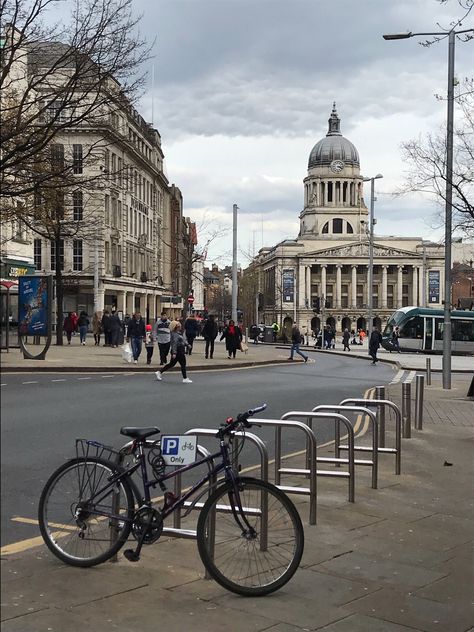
[[351, 447], [428, 371], [380, 393], [419, 395], [406, 409], [311, 491], [397, 450], [350, 461]]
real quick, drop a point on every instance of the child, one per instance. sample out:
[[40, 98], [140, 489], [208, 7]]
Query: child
[[149, 343]]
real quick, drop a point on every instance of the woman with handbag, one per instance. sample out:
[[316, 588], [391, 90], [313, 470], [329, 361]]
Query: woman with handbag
[[233, 338]]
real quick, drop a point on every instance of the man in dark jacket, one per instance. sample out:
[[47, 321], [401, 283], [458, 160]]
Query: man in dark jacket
[[374, 343], [115, 328], [209, 332], [191, 329], [106, 328], [136, 335]]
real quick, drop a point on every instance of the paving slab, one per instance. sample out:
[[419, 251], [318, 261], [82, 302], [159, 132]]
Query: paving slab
[[362, 623]]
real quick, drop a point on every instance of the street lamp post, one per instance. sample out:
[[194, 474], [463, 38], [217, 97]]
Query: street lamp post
[[370, 277], [449, 194]]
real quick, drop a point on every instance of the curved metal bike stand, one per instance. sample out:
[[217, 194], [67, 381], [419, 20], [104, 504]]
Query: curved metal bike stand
[[349, 474], [351, 447], [397, 450]]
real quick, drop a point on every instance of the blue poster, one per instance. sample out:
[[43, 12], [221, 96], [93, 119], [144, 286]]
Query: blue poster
[[433, 286], [33, 306], [288, 282]]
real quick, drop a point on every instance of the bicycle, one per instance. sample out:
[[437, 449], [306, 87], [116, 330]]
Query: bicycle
[[249, 534]]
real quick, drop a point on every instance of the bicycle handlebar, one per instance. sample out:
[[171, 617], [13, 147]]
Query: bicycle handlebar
[[241, 420]]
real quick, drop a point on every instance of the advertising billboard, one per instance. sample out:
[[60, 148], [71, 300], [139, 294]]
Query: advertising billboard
[[433, 286], [288, 283], [33, 300]]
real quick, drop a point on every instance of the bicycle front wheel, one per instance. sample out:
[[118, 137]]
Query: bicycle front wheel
[[255, 550], [83, 518]]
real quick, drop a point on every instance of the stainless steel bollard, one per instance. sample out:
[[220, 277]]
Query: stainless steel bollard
[[406, 409], [380, 394], [420, 387], [428, 371]]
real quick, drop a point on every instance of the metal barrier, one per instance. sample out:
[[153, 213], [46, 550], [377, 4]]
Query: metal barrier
[[349, 474], [338, 447], [419, 396], [406, 409], [311, 491], [381, 394], [397, 450], [428, 371]]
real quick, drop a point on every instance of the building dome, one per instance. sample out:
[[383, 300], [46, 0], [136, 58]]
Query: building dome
[[333, 147]]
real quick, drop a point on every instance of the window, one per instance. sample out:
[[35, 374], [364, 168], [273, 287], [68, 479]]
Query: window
[[107, 210], [337, 225], [77, 159], [77, 206], [57, 156], [114, 213], [350, 230], [463, 330], [53, 254], [37, 253], [325, 228], [77, 254], [54, 111]]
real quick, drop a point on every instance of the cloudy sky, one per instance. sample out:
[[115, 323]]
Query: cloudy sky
[[243, 90]]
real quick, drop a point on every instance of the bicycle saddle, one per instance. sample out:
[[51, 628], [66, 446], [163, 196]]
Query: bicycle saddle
[[139, 432]]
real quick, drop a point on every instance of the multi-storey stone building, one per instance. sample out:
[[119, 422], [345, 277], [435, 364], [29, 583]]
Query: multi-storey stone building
[[326, 266]]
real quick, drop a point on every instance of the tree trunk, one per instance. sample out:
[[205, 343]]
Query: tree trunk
[[59, 291]]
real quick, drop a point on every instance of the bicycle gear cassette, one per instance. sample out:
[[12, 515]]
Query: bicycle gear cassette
[[147, 521]]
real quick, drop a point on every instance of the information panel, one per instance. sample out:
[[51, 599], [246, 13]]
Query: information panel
[[288, 282], [433, 286]]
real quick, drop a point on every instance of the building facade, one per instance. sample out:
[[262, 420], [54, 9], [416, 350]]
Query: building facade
[[321, 277]]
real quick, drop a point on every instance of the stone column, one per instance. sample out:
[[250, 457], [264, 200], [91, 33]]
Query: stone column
[[323, 280], [301, 285], [308, 285], [354, 287], [338, 285], [384, 287], [122, 302], [415, 285], [400, 286]]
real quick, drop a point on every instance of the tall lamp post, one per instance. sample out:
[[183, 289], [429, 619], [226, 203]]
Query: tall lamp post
[[370, 278], [449, 194]]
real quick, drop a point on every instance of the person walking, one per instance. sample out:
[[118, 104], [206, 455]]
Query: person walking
[[346, 336], [276, 329], [83, 323], [374, 344], [136, 335], [295, 344], [162, 335], [191, 329], [69, 326], [106, 328], [233, 338], [209, 332], [253, 333], [178, 349], [395, 341], [149, 343], [115, 328], [97, 327]]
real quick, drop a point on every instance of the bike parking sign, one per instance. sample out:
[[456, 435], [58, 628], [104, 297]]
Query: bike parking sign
[[178, 449]]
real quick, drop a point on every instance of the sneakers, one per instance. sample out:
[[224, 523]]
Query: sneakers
[[290, 359], [186, 380], [158, 376], [306, 359], [135, 362]]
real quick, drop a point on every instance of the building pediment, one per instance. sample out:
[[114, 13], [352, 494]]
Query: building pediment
[[361, 250]]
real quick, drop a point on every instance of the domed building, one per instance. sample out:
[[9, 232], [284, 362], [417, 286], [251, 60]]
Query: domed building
[[321, 277]]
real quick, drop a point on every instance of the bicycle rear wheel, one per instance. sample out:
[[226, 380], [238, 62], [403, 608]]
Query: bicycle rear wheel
[[84, 520], [253, 552]]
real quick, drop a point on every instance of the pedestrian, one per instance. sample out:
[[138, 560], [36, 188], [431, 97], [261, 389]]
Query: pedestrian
[[178, 353], [209, 332], [149, 343], [106, 328], [361, 336], [253, 333], [296, 338], [83, 324], [395, 337], [374, 344], [162, 334], [233, 338], [345, 339], [75, 318], [276, 329], [115, 328], [191, 329], [69, 326], [136, 335], [97, 327], [328, 337]]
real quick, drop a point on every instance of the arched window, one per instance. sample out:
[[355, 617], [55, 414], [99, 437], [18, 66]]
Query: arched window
[[325, 228], [337, 225], [350, 230]]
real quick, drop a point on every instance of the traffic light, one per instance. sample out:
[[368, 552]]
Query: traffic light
[[316, 304]]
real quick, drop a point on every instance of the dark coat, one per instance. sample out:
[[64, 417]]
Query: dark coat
[[136, 328], [191, 327], [83, 320], [69, 324], [106, 324], [115, 323], [375, 340], [209, 331], [232, 341]]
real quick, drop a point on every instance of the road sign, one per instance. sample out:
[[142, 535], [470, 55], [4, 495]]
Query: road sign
[[190, 299]]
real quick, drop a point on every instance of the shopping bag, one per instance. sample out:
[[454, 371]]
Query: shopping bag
[[243, 347], [127, 355]]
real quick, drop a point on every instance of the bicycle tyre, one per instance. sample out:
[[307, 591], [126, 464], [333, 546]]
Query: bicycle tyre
[[92, 542], [237, 562]]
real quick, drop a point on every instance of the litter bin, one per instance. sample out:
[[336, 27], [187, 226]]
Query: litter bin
[[268, 334]]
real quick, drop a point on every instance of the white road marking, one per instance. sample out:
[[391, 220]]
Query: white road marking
[[4, 384], [84, 378], [33, 382], [62, 380], [106, 376]]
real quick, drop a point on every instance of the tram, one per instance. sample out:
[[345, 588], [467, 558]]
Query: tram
[[421, 329]]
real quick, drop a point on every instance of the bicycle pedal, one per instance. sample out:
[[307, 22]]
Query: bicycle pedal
[[131, 555]]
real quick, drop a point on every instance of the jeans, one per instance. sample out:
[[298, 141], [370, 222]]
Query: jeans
[[164, 348], [295, 348], [82, 333], [209, 347], [190, 340], [136, 344]]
